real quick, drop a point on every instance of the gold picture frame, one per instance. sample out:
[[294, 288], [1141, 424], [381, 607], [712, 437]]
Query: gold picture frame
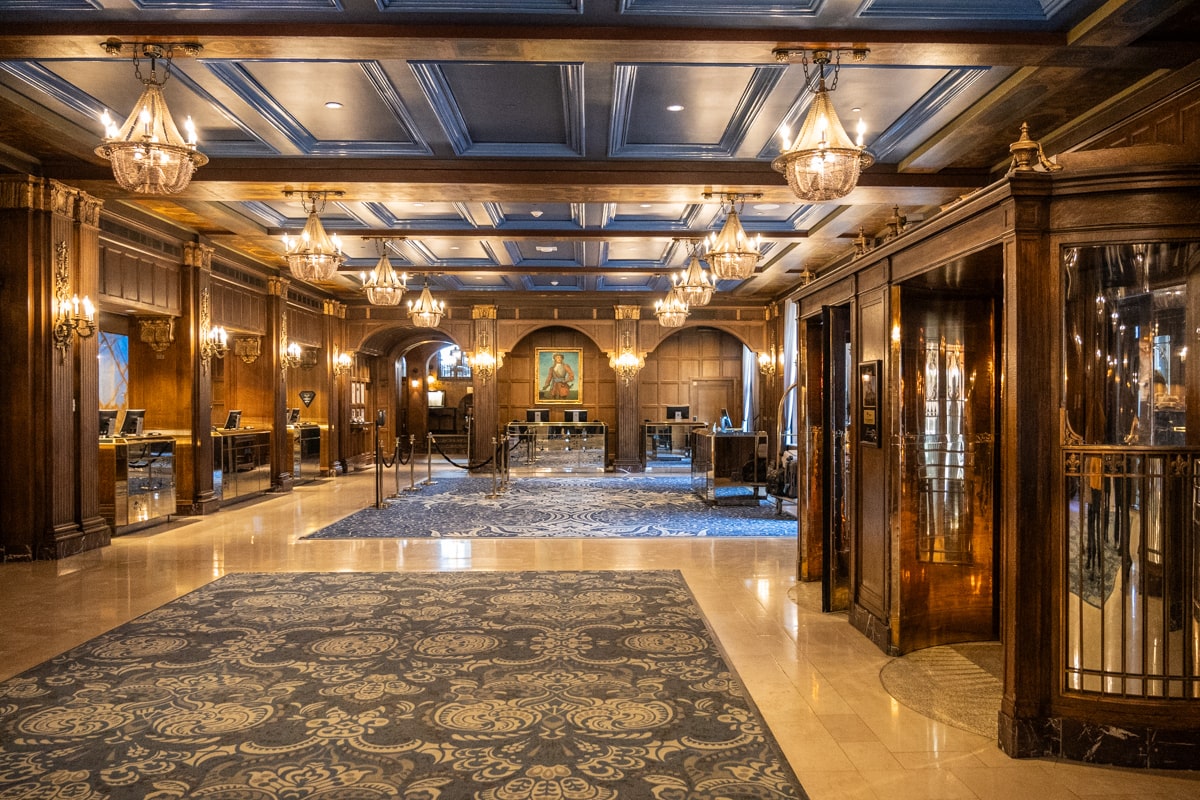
[[558, 376]]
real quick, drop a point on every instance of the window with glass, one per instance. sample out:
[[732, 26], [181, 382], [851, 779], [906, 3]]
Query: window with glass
[[1132, 474]]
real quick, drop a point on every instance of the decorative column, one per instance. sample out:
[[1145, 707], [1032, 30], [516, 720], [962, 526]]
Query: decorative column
[[337, 378], [195, 496], [629, 435], [770, 383], [49, 238], [485, 422], [277, 334]]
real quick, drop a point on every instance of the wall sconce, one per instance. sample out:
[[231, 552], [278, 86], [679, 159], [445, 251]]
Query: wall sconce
[[292, 356], [214, 341], [342, 362], [71, 315], [766, 364], [158, 332], [247, 348], [415, 381], [484, 362], [627, 363]]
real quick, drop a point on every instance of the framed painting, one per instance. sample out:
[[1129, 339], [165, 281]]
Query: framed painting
[[559, 376]]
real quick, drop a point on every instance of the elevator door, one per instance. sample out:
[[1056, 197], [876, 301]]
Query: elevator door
[[835, 551]]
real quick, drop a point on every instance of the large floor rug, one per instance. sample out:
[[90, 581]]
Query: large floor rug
[[559, 507], [426, 686]]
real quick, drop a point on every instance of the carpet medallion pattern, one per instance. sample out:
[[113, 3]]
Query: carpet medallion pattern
[[425, 686], [558, 507]]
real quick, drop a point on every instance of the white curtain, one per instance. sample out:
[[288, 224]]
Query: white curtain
[[749, 388], [791, 368]]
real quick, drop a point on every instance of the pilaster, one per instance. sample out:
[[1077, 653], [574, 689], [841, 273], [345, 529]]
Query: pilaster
[[485, 423], [629, 436]]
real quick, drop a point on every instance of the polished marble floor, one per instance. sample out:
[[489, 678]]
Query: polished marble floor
[[815, 679]]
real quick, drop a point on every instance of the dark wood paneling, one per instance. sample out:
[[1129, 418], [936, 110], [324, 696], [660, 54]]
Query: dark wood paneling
[[133, 280], [870, 524]]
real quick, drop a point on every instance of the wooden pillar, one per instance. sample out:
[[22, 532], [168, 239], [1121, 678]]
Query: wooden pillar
[[485, 424], [195, 494], [1029, 432], [629, 435], [770, 380], [49, 508], [277, 335]]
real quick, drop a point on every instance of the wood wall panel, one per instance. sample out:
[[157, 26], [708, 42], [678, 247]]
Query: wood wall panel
[[870, 520], [687, 355], [132, 279], [238, 309]]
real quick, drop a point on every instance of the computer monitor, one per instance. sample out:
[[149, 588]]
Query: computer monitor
[[108, 422], [233, 421], [537, 415], [726, 422], [293, 415], [679, 412], [134, 422], [575, 415]]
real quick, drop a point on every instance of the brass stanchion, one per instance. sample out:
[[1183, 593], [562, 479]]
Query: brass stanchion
[[495, 491], [396, 469], [429, 481], [412, 464]]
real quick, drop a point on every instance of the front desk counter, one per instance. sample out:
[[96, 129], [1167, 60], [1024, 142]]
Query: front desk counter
[[558, 446], [241, 462], [136, 481], [306, 451], [730, 467]]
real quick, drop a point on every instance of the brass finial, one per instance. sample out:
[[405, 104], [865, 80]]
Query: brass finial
[[1028, 156]]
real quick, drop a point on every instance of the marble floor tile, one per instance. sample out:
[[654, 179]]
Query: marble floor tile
[[813, 676]]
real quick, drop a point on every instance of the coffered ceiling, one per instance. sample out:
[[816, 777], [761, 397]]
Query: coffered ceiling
[[565, 147]]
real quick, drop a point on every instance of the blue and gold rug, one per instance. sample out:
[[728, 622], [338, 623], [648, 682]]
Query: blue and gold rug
[[558, 507], [424, 686]]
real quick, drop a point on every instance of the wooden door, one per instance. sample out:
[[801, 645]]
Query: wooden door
[[709, 396]]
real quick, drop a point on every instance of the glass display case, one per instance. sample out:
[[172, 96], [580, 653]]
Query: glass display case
[[306, 451]]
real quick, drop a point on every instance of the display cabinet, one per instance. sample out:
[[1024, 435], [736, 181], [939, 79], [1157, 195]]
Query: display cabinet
[[137, 481], [559, 447], [729, 467], [668, 442]]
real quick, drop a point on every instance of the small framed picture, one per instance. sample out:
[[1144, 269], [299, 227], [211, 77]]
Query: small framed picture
[[868, 375]]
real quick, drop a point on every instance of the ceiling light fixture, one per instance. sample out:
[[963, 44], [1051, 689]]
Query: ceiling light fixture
[[732, 255], [822, 163], [148, 154], [672, 310], [695, 284], [314, 255], [427, 312], [383, 286]]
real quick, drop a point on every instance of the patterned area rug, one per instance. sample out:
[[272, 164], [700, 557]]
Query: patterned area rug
[[429, 686], [958, 684], [562, 507]]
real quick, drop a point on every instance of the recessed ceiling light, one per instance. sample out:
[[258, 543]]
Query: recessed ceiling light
[[766, 206], [418, 205], [546, 248], [675, 107], [554, 283], [455, 247], [333, 104], [645, 205], [537, 212]]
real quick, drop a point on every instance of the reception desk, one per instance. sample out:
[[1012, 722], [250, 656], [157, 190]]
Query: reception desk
[[306, 451], [136, 481], [241, 463], [729, 466], [558, 446]]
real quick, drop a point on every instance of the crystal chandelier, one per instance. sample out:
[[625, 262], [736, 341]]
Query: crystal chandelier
[[383, 286], [147, 153], [314, 255], [695, 284], [627, 364], [822, 163], [732, 255], [672, 310], [426, 312]]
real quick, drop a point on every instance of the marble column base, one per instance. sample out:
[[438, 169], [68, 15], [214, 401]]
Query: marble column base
[[1096, 743]]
